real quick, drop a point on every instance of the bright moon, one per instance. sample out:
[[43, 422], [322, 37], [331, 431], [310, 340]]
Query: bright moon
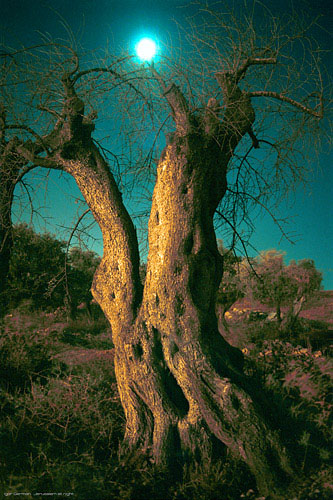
[[146, 49]]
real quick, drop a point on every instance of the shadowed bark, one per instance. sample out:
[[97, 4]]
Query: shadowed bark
[[181, 384]]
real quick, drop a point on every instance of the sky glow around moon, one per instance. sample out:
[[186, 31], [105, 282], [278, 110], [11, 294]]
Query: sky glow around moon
[[146, 49]]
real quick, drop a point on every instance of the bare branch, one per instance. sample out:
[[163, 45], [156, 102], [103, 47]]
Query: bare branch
[[116, 74], [67, 249], [235, 232], [177, 102], [37, 161], [101, 70], [32, 210], [252, 61], [284, 98], [75, 228], [23, 172], [31, 131], [262, 205]]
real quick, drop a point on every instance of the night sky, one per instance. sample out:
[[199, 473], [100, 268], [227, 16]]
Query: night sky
[[125, 22]]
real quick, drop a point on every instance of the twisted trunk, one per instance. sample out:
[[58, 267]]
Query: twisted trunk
[[181, 384], [188, 378]]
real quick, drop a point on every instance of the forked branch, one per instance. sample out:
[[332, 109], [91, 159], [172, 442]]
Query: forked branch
[[177, 102], [252, 61]]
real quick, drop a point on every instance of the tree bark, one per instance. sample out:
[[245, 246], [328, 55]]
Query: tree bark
[[209, 393], [181, 384]]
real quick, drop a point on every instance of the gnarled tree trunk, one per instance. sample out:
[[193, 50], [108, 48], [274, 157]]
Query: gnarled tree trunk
[[181, 384]]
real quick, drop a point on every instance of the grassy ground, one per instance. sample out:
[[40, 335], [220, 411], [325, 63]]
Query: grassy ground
[[315, 328], [319, 307], [62, 422]]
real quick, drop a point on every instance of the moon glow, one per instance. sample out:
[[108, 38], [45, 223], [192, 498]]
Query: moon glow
[[146, 49]]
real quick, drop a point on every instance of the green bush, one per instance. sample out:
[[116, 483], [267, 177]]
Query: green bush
[[259, 333], [36, 260], [303, 379], [43, 275], [25, 357]]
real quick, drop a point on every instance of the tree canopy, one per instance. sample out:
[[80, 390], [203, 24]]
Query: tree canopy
[[259, 49], [277, 284], [36, 261], [42, 274]]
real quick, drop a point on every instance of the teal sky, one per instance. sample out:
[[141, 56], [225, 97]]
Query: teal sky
[[309, 214]]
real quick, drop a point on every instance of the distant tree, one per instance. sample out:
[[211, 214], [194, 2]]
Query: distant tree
[[305, 281], [277, 285], [40, 272], [37, 260], [270, 285]]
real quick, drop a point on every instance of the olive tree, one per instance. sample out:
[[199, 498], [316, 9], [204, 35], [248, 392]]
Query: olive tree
[[238, 111], [276, 284], [270, 284], [305, 281]]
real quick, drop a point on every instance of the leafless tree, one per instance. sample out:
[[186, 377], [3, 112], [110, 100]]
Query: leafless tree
[[239, 109]]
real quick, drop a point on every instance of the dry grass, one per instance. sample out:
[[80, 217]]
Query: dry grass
[[60, 429]]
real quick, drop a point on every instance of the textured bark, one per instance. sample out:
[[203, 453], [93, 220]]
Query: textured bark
[[181, 384], [208, 393]]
